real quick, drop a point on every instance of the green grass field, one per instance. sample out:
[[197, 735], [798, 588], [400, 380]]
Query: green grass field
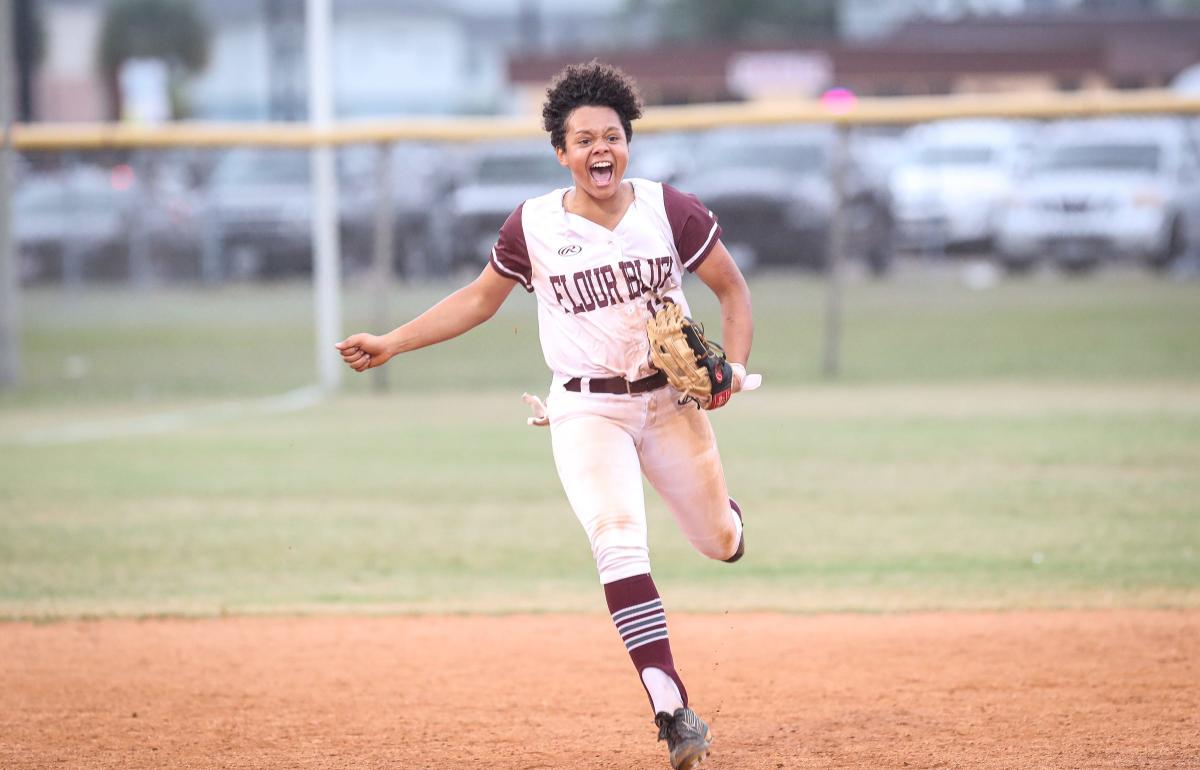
[[1033, 445]]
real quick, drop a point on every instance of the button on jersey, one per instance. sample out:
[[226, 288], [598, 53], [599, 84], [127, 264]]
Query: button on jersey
[[594, 285]]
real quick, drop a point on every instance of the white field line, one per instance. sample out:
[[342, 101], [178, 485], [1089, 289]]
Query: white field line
[[100, 430]]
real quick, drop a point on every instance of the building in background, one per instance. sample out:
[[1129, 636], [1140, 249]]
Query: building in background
[[385, 62], [68, 85], [997, 53], [405, 57], [870, 19], [391, 57], [1117, 49]]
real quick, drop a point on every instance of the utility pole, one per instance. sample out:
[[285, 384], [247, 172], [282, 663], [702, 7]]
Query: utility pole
[[326, 259], [10, 357]]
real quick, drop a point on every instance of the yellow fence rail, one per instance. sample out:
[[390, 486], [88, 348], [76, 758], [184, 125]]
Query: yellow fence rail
[[873, 111], [844, 113]]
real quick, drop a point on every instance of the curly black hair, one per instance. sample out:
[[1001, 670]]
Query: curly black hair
[[594, 84]]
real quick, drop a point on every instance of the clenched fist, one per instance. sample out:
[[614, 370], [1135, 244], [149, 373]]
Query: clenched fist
[[364, 351]]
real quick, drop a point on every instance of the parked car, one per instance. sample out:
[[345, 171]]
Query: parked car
[[947, 192], [497, 178], [662, 157], [772, 191], [90, 222], [18, 169], [258, 208], [1187, 81], [1104, 190], [876, 151], [422, 179]]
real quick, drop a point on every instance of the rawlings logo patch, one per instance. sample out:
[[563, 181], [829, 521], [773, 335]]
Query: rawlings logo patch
[[569, 251]]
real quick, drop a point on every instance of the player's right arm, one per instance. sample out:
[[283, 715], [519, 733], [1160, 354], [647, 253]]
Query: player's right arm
[[456, 314]]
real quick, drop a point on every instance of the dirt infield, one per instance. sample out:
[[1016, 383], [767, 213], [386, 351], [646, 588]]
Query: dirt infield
[[974, 690]]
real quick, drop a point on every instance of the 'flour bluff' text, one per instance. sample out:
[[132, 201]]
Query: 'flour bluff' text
[[599, 287]]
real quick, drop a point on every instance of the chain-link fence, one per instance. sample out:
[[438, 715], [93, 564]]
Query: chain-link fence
[[214, 223]]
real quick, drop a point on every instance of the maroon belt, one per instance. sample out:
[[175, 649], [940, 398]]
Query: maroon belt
[[617, 385]]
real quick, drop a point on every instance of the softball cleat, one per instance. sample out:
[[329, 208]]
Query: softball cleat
[[687, 737]]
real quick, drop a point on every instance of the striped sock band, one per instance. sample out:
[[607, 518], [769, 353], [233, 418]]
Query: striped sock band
[[641, 624], [637, 612]]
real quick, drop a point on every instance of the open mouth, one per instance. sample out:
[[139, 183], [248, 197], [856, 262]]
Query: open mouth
[[602, 172]]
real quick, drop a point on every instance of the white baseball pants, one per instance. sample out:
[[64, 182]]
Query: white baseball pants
[[603, 444]]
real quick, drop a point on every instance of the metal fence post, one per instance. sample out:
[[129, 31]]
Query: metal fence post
[[835, 277], [381, 260], [10, 352], [211, 271], [141, 271]]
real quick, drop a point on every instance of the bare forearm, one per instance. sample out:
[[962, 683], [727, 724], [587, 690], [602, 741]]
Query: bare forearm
[[456, 314], [461, 311], [721, 274], [737, 326]]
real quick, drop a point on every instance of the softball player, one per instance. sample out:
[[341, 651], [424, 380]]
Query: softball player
[[596, 256]]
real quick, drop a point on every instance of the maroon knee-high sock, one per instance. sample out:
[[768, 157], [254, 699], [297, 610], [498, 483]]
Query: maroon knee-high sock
[[638, 614]]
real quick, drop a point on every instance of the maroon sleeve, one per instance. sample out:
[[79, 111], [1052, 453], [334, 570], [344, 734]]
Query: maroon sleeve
[[510, 257], [693, 226]]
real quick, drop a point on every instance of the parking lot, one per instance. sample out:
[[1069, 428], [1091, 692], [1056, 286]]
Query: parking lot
[[1025, 196]]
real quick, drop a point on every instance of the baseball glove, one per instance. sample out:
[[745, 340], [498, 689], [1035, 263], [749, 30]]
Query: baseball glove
[[694, 364]]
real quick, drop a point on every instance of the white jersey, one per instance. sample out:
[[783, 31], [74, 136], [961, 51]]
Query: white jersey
[[594, 285]]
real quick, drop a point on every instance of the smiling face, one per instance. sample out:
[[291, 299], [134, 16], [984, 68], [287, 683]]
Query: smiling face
[[596, 152]]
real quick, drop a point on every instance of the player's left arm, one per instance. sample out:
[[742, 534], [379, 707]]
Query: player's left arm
[[722, 275]]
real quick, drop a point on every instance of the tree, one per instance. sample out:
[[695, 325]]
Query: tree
[[170, 30], [747, 21]]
